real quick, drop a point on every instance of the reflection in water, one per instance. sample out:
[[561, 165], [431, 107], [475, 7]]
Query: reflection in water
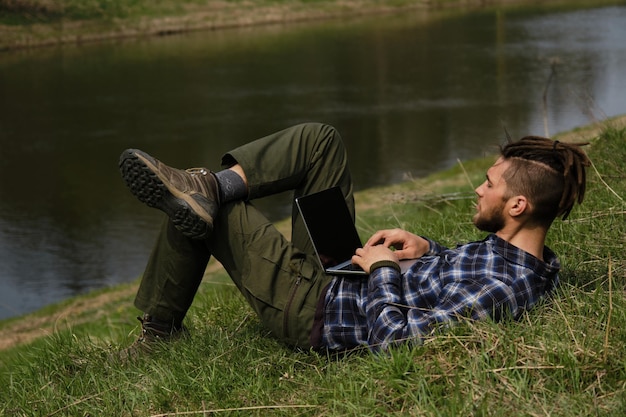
[[409, 95]]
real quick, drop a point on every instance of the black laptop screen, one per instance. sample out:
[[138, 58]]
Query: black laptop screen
[[330, 226]]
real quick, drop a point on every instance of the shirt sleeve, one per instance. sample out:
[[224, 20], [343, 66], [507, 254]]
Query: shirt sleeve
[[390, 320], [385, 319], [434, 248]]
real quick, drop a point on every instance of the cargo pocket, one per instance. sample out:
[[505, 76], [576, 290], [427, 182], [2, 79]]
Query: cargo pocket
[[271, 280], [271, 271], [300, 315]]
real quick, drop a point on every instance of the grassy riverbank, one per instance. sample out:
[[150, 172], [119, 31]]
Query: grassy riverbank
[[36, 23], [566, 358]]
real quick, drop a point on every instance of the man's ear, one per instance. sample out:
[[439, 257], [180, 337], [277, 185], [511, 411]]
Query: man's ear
[[518, 205]]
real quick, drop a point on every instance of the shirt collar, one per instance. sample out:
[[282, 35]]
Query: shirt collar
[[512, 253]]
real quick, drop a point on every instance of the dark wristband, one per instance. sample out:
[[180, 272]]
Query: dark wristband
[[385, 263]]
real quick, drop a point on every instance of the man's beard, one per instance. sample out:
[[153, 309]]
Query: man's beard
[[491, 222]]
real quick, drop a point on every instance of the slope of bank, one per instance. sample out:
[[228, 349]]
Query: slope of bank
[[565, 358], [38, 23], [96, 306]]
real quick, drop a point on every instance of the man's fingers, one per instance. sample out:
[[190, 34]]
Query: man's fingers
[[393, 237], [376, 239]]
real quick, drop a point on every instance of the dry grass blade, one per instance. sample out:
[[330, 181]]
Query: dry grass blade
[[227, 410], [608, 187], [81, 400], [610, 312]]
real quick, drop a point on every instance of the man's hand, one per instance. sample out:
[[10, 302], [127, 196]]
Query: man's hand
[[406, 245], [366, 256], [378, 248]]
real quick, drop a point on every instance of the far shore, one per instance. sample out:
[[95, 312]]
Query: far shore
[[220, 15]]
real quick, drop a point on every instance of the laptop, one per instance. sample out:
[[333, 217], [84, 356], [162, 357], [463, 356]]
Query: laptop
[[332, 231]]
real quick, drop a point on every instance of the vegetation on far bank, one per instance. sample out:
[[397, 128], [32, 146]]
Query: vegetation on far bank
[[565, 358], [36, 23]]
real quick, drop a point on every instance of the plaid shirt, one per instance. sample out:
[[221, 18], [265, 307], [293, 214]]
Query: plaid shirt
[[488, 278]]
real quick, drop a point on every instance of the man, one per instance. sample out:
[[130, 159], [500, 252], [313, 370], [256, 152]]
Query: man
[[534, 181]]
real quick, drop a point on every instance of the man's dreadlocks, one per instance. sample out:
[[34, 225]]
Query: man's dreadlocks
[[551, 174]]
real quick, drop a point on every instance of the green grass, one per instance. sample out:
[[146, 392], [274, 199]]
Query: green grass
[[31, 23], [51, 11], [565, 358], [46, 11]]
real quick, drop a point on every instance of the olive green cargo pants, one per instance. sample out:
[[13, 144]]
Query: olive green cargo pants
[[281, 280]]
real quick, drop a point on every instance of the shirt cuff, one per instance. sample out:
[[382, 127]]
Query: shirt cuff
[[433, 247], [381, 264]]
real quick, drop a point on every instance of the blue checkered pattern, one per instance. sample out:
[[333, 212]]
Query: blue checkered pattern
[[485, 279]]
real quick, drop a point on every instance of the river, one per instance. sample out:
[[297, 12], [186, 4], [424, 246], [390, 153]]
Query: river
[[410, 95]]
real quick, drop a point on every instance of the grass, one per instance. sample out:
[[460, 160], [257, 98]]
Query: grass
[[18, 12], [36, 23], [46, 11], [565, 358]]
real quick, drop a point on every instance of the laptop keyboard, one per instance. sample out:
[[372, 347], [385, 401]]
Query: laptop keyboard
[[350, 267]]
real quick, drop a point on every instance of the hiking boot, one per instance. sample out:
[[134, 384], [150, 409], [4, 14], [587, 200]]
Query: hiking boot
[[154, 333], [190, 198]]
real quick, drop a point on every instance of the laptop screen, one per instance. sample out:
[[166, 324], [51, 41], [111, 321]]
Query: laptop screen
[[330, 226]]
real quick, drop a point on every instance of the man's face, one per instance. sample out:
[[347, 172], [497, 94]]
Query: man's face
[[490, 207]]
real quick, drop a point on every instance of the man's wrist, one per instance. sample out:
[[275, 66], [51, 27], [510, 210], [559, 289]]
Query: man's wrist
[[385, 263]]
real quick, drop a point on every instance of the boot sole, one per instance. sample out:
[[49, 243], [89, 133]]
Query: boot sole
[[144, 182]]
